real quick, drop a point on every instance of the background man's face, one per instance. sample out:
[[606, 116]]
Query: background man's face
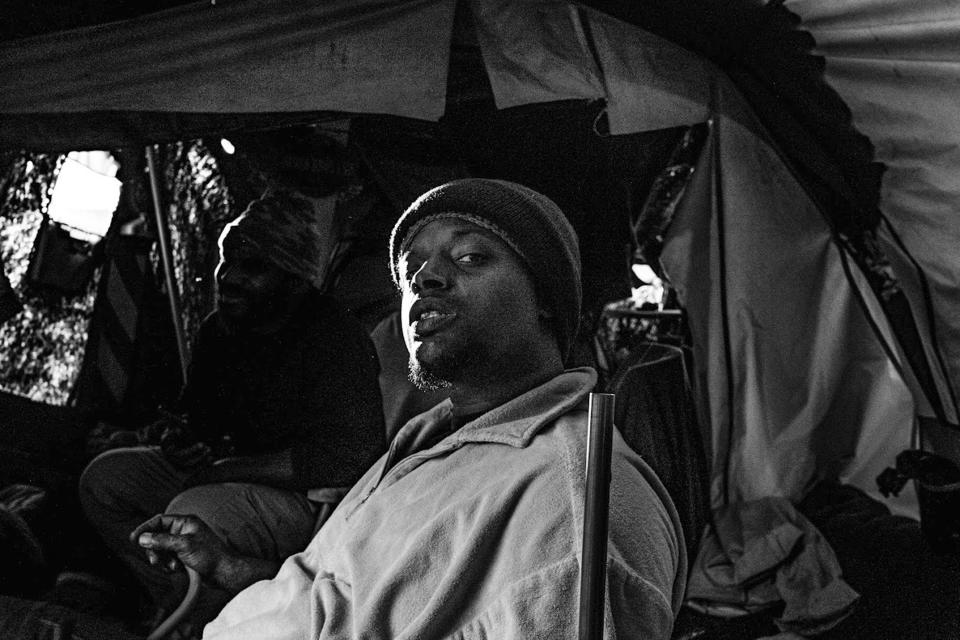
[[250, 290], [469, 306]]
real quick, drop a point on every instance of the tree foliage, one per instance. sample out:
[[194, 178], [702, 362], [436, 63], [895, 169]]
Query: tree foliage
[[41, 347], [198, 208]]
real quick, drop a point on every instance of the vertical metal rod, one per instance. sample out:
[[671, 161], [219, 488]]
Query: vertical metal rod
[[166, 256], [593, 566]]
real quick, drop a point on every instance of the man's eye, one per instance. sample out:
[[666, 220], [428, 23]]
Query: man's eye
[[471, 258]]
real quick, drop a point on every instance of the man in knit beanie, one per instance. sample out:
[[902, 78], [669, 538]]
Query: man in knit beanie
[[471, 525], [527, 221], [282, 397]]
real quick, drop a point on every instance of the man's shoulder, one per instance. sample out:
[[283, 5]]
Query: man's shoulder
[[636, 489]]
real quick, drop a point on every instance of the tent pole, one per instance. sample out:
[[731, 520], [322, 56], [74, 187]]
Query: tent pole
[[166, 255], [596, 510]]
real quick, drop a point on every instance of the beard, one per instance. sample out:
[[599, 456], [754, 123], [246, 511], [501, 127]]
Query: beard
[[426, 379], [443, 369]]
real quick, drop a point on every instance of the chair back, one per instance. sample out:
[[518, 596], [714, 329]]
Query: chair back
[[656, 415]]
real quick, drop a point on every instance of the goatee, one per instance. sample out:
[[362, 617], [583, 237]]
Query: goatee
[[438, 371], [426, 379]]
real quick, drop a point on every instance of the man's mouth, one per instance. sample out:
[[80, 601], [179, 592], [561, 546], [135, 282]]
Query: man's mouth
[[425, 320]]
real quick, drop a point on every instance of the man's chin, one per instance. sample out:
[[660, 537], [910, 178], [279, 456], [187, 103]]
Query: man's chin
[[427, 378], [434, 367]]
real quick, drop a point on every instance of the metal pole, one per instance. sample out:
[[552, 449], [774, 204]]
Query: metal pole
[[166, 255], [593, 566]]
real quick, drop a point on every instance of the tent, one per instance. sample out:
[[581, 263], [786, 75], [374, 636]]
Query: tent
[[824, 323]]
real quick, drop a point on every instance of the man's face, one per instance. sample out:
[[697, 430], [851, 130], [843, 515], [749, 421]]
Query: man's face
[[250, 290], [469, 307]]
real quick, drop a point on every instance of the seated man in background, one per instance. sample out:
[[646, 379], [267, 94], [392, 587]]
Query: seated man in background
[[470, 526], [281, 397]]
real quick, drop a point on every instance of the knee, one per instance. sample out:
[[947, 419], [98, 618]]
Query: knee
[[203, 501], [105, 475], [212, 503]]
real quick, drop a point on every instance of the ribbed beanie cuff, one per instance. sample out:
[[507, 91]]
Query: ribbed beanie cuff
[[529, 222]]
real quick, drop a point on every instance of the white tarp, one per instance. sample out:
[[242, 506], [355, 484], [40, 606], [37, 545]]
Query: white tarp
[[799, 386], [897, 65]]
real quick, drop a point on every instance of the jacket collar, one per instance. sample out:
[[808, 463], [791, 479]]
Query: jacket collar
[[513, 423], [516, 422]]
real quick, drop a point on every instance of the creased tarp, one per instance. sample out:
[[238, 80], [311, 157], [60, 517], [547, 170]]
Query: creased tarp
[[535, 52], [797, 384], [897, 65], [650, 83], [250, 56], [762, 552], [540, 52]]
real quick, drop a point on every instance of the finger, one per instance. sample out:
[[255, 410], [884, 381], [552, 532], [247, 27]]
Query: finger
[[179, 524], [163, 542], [158, 523], [153, 524]]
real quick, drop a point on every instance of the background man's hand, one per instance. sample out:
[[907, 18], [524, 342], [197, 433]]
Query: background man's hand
[[174, 540], [182, 450]]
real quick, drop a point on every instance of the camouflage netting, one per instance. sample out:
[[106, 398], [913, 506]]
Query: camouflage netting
[[198, 208], [41, 347]]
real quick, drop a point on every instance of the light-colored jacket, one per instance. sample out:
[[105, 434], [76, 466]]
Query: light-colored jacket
[[477, 536]]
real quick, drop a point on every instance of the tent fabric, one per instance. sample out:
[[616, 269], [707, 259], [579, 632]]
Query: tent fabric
[[254, 56], [353, 57], [535, 52], [646, 82], [897, 65], [797, 386]]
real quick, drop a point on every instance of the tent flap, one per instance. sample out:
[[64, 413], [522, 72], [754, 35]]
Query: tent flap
[[249, 57]]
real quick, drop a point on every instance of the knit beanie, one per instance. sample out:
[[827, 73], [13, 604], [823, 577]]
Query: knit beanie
[[527, 221], [287, 231]]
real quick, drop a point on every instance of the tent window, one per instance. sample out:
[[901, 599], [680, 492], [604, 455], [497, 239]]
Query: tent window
[[86, 194]]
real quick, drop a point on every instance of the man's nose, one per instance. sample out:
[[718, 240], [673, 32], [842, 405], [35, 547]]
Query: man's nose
[[431, 275]]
